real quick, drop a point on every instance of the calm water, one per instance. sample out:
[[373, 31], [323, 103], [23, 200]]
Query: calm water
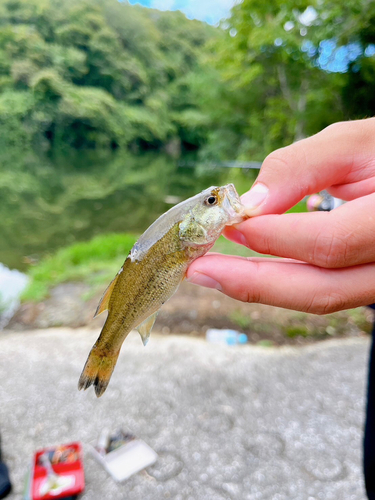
[[46, 204]]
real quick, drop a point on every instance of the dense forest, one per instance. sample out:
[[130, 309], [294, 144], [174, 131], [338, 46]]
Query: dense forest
[[104, 74], [98, 73]]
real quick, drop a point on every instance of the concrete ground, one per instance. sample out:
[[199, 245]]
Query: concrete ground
[[228, 423]]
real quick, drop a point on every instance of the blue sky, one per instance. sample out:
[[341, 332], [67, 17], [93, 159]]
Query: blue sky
[[210, 11]]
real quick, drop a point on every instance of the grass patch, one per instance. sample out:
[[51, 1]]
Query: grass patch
[[240, 319], [299, 208], [95, 262], [296, 331], [227, 247], [265, 343], [359, 318]]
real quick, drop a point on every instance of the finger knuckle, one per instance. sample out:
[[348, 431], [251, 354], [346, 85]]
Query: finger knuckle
[[254, 297], [360, 131], [277, 161], [245, 294], [336, 128], [327, 303], [251, 293], [330, 249]]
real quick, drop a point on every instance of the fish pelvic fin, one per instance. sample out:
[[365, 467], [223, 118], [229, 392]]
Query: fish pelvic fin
[[104, 301], [145, 328], [98, 370]]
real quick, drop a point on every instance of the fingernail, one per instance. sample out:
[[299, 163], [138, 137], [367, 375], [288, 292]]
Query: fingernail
[[203, 280], [255, 197]]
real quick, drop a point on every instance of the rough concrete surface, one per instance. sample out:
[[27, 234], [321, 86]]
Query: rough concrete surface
[[227, 422]]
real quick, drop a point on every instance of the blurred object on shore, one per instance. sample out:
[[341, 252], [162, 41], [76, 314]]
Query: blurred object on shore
[[227, 336], [122, 454], [322, 202]]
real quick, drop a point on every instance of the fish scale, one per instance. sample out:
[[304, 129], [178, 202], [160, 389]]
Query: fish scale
[[153, 271]]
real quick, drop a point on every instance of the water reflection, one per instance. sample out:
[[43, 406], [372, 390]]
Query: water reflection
[[12, 284], [49, 203]]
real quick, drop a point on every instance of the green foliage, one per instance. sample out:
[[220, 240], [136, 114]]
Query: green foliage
[[101, 257], [273, 83], [299, 208], [101, 74], [15, 108], [359, 318], [265, 343], [106, 74], [240, 319], [227, 247], [293, 331]]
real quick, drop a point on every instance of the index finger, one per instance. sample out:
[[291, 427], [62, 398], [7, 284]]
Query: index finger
[[342, 154]]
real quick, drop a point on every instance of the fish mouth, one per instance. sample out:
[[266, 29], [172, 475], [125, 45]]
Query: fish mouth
[[233, 206]]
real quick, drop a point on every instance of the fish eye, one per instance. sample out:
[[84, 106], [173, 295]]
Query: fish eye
[[211, 200]]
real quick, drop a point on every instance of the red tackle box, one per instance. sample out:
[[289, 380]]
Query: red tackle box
[[57, 472]]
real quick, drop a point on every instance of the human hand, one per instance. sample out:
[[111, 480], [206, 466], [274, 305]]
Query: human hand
[[330, 256]]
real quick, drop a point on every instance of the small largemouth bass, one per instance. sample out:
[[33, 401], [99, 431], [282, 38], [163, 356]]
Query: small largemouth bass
[[152, 272]]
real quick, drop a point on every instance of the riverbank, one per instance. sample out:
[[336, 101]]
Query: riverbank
[[191, 311]]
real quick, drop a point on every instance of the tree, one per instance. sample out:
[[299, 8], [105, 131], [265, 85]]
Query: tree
[[278, 84], [99, 73]]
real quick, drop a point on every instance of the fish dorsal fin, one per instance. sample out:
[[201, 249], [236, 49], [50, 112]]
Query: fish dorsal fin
[[146, 327], [104, 302]]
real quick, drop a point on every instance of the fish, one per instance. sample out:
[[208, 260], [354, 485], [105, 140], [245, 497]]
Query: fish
[[152, 272]]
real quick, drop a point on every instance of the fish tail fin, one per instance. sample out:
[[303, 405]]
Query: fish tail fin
[[98, 369]]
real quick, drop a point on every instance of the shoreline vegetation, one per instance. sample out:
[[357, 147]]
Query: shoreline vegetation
[[101, 74], [65, 288], [94, 263]]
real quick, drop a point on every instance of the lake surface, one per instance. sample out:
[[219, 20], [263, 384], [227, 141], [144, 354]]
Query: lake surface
[[49, 203]]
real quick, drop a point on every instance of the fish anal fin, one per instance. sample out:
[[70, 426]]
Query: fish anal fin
[[104, 301], [145, 327]]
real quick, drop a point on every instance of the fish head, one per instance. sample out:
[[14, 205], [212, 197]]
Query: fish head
[[213, 209]]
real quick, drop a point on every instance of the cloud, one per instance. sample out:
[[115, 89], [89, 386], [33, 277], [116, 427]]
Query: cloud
[[163, 4], [210, 11], [145, 3]]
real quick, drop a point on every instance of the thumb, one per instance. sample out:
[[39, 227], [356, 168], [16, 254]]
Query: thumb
[[331, 157]]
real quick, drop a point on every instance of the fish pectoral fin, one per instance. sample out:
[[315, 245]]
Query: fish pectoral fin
[[146, 326], [104, 301]]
